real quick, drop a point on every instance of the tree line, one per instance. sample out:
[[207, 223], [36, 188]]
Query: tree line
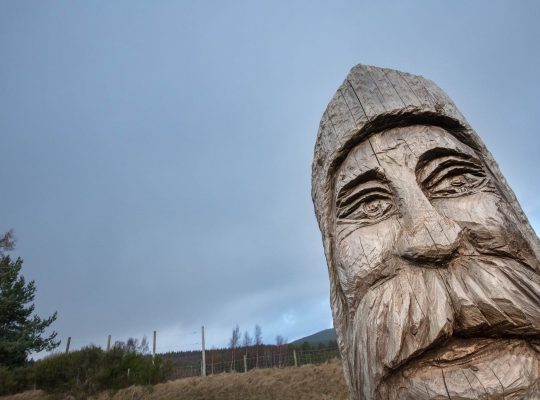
[[248, 351]]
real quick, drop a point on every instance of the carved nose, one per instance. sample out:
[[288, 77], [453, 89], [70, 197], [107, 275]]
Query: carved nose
[[429, 238]]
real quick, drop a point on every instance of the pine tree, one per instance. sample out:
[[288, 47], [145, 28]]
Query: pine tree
[[21, 331]]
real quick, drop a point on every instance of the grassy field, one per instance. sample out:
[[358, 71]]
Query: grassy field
[[321, 382]]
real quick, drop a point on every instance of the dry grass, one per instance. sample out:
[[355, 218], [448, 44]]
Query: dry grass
[[309, 382], [29, 395]]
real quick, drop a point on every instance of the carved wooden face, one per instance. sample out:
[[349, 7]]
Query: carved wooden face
[[428, 252], [404, 194]]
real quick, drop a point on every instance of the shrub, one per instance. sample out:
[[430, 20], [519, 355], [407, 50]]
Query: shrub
[[91, 370], [16, 379], [6, 381]]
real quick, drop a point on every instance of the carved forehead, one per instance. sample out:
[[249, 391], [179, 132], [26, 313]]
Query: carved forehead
[[400, 146]]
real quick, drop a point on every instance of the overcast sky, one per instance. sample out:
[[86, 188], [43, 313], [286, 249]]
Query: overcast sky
[[156, 155]]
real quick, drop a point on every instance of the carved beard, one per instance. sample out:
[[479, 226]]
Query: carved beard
[[419, 308]]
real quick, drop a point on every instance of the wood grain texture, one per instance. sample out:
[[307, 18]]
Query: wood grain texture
[[434, 269]]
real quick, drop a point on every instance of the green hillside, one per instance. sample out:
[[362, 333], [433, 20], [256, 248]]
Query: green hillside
[[323, 336]]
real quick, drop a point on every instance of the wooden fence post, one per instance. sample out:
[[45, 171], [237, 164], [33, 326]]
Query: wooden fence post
[[68, 344], [109, 343], [154, 348], [203, 360], [295, 360], [245, 363]]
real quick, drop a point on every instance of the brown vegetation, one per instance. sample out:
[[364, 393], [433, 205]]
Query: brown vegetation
[[321, 382]]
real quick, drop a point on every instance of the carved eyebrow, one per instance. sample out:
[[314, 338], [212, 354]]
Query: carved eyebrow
[[371, 175], [428, 167]]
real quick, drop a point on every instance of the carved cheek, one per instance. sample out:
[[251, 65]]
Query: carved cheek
[[361, 254], [482, 208], [490, 223]]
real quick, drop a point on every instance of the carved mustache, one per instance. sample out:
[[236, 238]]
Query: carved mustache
[[419, 308]]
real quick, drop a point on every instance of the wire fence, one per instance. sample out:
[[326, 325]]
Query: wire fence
[[244, 361], [185, 364]]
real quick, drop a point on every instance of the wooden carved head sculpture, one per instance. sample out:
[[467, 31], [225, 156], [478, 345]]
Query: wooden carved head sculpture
[[434, 267]]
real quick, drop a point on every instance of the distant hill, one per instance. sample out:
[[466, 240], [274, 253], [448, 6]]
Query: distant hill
[[319, 337]]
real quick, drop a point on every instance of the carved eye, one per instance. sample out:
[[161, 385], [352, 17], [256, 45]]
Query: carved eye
[[368, 209], [376, 207], [457, 181]]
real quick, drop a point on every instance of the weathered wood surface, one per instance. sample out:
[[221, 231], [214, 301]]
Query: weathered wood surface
[[434, 268]]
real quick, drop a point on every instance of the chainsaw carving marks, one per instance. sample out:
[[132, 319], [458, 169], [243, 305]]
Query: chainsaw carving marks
[[434, 268]]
